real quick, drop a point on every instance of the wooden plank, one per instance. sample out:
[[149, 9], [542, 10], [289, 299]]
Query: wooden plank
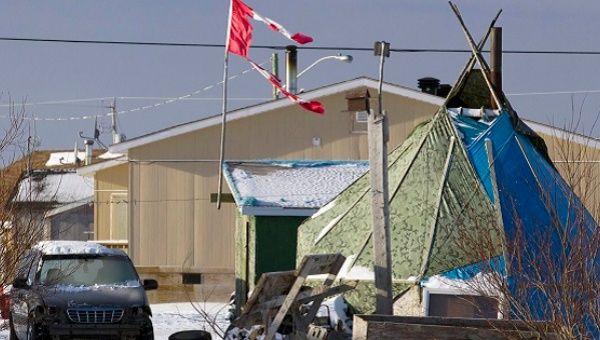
[[305, 297], [225, 198], [310, 265], [393, 327]]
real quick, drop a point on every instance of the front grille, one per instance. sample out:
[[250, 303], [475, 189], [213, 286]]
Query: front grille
[[95, 315]]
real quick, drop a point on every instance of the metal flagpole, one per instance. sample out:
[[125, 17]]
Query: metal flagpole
[[224, 111]]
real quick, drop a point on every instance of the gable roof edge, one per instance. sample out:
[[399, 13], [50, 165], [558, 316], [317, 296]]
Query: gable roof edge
[[273, 105]]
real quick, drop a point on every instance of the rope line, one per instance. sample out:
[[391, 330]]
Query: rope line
[[141, 108]]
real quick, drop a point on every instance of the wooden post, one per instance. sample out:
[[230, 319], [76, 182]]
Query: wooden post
[[496, 61], [378, 169]]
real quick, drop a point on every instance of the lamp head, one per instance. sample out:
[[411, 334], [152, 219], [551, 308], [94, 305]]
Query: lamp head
[[344, 57]]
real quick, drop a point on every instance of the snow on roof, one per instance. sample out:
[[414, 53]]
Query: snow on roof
[[110, 155], [270, 185], [57, 187], [74, 248], [62, 158]]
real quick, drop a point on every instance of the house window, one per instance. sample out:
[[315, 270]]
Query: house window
[[118, 216], [359, 121], [462, 306]]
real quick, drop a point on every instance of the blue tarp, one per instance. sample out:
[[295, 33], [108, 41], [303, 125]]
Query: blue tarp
[[539, 209]]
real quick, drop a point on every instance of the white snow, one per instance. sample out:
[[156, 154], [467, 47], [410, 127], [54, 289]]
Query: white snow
[[475, 113], [292, 184], [76, 289], [61, 158], [110, 155], [337, 311], [169, 318], [482, 283], [72, 247], [60, 187]]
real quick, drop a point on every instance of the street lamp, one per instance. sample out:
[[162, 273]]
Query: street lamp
[[291, 62], [341, 57]]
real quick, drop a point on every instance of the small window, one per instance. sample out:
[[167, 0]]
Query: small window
[[361, 116], [359, 121], [463, 306], [118, 216], [191, 278]]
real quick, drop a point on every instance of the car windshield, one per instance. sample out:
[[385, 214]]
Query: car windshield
[[87, 271]]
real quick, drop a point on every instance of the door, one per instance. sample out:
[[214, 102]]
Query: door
[[20, 297]]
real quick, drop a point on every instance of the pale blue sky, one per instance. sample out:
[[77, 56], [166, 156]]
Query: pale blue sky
[[43, 72]]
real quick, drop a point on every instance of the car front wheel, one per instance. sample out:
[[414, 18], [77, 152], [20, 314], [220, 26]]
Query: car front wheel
[[11, 329], [33, 331]]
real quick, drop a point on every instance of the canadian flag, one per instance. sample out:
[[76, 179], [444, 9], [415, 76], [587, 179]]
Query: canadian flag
[[313, 105], [240, 29], [240, 37]]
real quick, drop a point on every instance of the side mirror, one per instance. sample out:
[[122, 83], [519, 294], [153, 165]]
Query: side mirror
[[150, 284], [20, 283]]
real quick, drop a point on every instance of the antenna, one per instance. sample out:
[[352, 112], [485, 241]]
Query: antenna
[[96, 135], [116, 138]]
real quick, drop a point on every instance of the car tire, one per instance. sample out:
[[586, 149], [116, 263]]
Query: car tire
[[147, 331], [11, 329]]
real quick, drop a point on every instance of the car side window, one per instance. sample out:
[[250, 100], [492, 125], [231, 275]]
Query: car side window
[[28, 266], [34, 268]]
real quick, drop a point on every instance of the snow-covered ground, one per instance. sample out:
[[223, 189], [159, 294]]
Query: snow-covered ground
[[169, 318]]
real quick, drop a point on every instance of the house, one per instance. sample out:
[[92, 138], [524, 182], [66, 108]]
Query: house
[[42, 188], [60, 199], [273, 198], [174, 231], [155, 197]]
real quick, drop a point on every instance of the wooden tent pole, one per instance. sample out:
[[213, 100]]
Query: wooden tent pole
[[471, 61], [484, 66]]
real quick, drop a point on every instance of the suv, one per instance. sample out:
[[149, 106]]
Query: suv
[[77, 289]]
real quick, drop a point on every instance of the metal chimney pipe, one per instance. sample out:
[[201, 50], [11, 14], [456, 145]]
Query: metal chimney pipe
[[89, 143], [496, 61], [291, 68], [275, 71]]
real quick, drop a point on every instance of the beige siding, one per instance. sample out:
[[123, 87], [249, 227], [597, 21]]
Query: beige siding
[[173, 221], [107, 182], [579, 165]]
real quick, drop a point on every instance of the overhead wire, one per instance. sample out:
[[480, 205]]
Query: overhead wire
[[282, 47]]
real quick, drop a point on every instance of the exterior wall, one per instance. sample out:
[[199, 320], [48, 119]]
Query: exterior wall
[[173, 222], [579, 165], [75, 224], [107, 182]]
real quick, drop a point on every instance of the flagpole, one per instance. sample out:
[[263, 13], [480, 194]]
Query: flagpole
[[224, 110]]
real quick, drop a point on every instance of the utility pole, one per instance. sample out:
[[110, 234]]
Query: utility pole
[[378, 169], [496, 61]]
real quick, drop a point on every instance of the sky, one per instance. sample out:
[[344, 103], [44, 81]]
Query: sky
[[35, 73]]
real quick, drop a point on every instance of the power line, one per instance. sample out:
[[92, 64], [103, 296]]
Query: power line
[[552, 93], [282, 47]]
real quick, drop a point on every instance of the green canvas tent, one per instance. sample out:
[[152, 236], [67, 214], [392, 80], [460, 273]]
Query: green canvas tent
[[436, 201]]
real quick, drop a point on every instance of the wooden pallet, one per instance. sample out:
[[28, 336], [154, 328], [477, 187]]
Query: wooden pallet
[[280, 293]]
